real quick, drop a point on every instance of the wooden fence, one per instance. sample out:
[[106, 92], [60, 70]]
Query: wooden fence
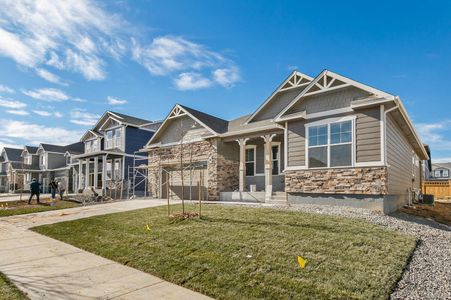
[[439, 188]]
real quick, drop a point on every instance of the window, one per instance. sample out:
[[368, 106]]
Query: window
[[441, 173], [250, 161], [91, 146], [275, 157], [109, 169], [114, 138], [117, 169], [68, 160], [42, 160], [330, 145], [28, 159]]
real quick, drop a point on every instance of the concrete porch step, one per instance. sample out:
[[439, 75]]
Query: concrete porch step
[[277, 198]]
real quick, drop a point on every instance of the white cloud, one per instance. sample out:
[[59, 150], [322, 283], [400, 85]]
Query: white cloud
[[30, 133], [226, 77], [45, 113], [10, 143], [42, 113], [5, 89], [12, 104], [438, 136], [434, 133], [70, 35], [49, 76], [79, 100], [191, 81], [47, 94], [194, 62], [18, 112], [116, 101], [84, 118]]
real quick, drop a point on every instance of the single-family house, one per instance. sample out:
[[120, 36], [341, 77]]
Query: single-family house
[[324, 139], [441, 171], [111, 148], [53, 165], [10, 181]]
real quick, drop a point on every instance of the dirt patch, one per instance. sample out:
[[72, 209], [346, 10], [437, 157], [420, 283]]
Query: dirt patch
[[440, 212]]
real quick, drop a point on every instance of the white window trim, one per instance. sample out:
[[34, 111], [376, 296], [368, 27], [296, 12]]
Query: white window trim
[[255, 158], [114, 140], [328, 122], [278, 159]]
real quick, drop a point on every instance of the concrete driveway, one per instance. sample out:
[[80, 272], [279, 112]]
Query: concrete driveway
[[46, 268]]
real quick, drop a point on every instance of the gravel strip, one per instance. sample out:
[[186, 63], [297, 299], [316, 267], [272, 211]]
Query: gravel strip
[[428, 275]]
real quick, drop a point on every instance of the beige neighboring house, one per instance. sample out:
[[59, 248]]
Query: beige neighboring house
[[326, 139]]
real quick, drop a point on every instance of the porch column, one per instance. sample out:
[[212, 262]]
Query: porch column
[[87, 173], [242, 143], [80, 172], [96, 171], [268, 161], [104, 162]]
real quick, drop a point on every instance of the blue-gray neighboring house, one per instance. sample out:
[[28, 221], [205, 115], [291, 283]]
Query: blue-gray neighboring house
[[110, 148]]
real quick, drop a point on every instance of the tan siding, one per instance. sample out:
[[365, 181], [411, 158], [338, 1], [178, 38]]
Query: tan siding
[[296, 143], [328, 101], [399, 159], [279, 102], [368, 135], [182, 126]]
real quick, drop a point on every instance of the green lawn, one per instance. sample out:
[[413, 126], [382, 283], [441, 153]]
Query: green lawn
[[21, 208], [249, 253], [8, 291]]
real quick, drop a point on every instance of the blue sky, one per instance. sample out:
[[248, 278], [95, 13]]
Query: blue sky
[[63, 64]]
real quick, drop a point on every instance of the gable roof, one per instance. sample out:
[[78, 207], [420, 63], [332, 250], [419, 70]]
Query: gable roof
[[121, 118], [90, 131], [130, 119], [13, 154], [75, 148], [328, 81], [441, 165], [31, 149], [218, 125], [295, 80], [214, 124]]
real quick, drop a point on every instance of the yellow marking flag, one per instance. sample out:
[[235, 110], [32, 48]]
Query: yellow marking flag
[[147, 227], [302, 262]]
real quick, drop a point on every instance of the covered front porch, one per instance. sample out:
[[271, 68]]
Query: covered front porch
[[99, 171], [261, 165]]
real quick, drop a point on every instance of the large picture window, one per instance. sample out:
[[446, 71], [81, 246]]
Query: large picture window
[[330, 145], [250, 161]]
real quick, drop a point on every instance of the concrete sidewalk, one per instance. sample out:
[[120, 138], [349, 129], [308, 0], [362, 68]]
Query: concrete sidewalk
[[46, 268], [25, 196]]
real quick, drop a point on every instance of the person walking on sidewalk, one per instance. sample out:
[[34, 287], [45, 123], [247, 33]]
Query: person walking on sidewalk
[[53, 187], [62, 187], [35, 189]]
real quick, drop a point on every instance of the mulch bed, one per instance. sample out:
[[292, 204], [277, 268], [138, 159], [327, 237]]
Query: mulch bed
[[440, 212]]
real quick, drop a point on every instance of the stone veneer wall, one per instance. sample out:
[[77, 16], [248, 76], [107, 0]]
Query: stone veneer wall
[[222, 171], [363, 181]]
